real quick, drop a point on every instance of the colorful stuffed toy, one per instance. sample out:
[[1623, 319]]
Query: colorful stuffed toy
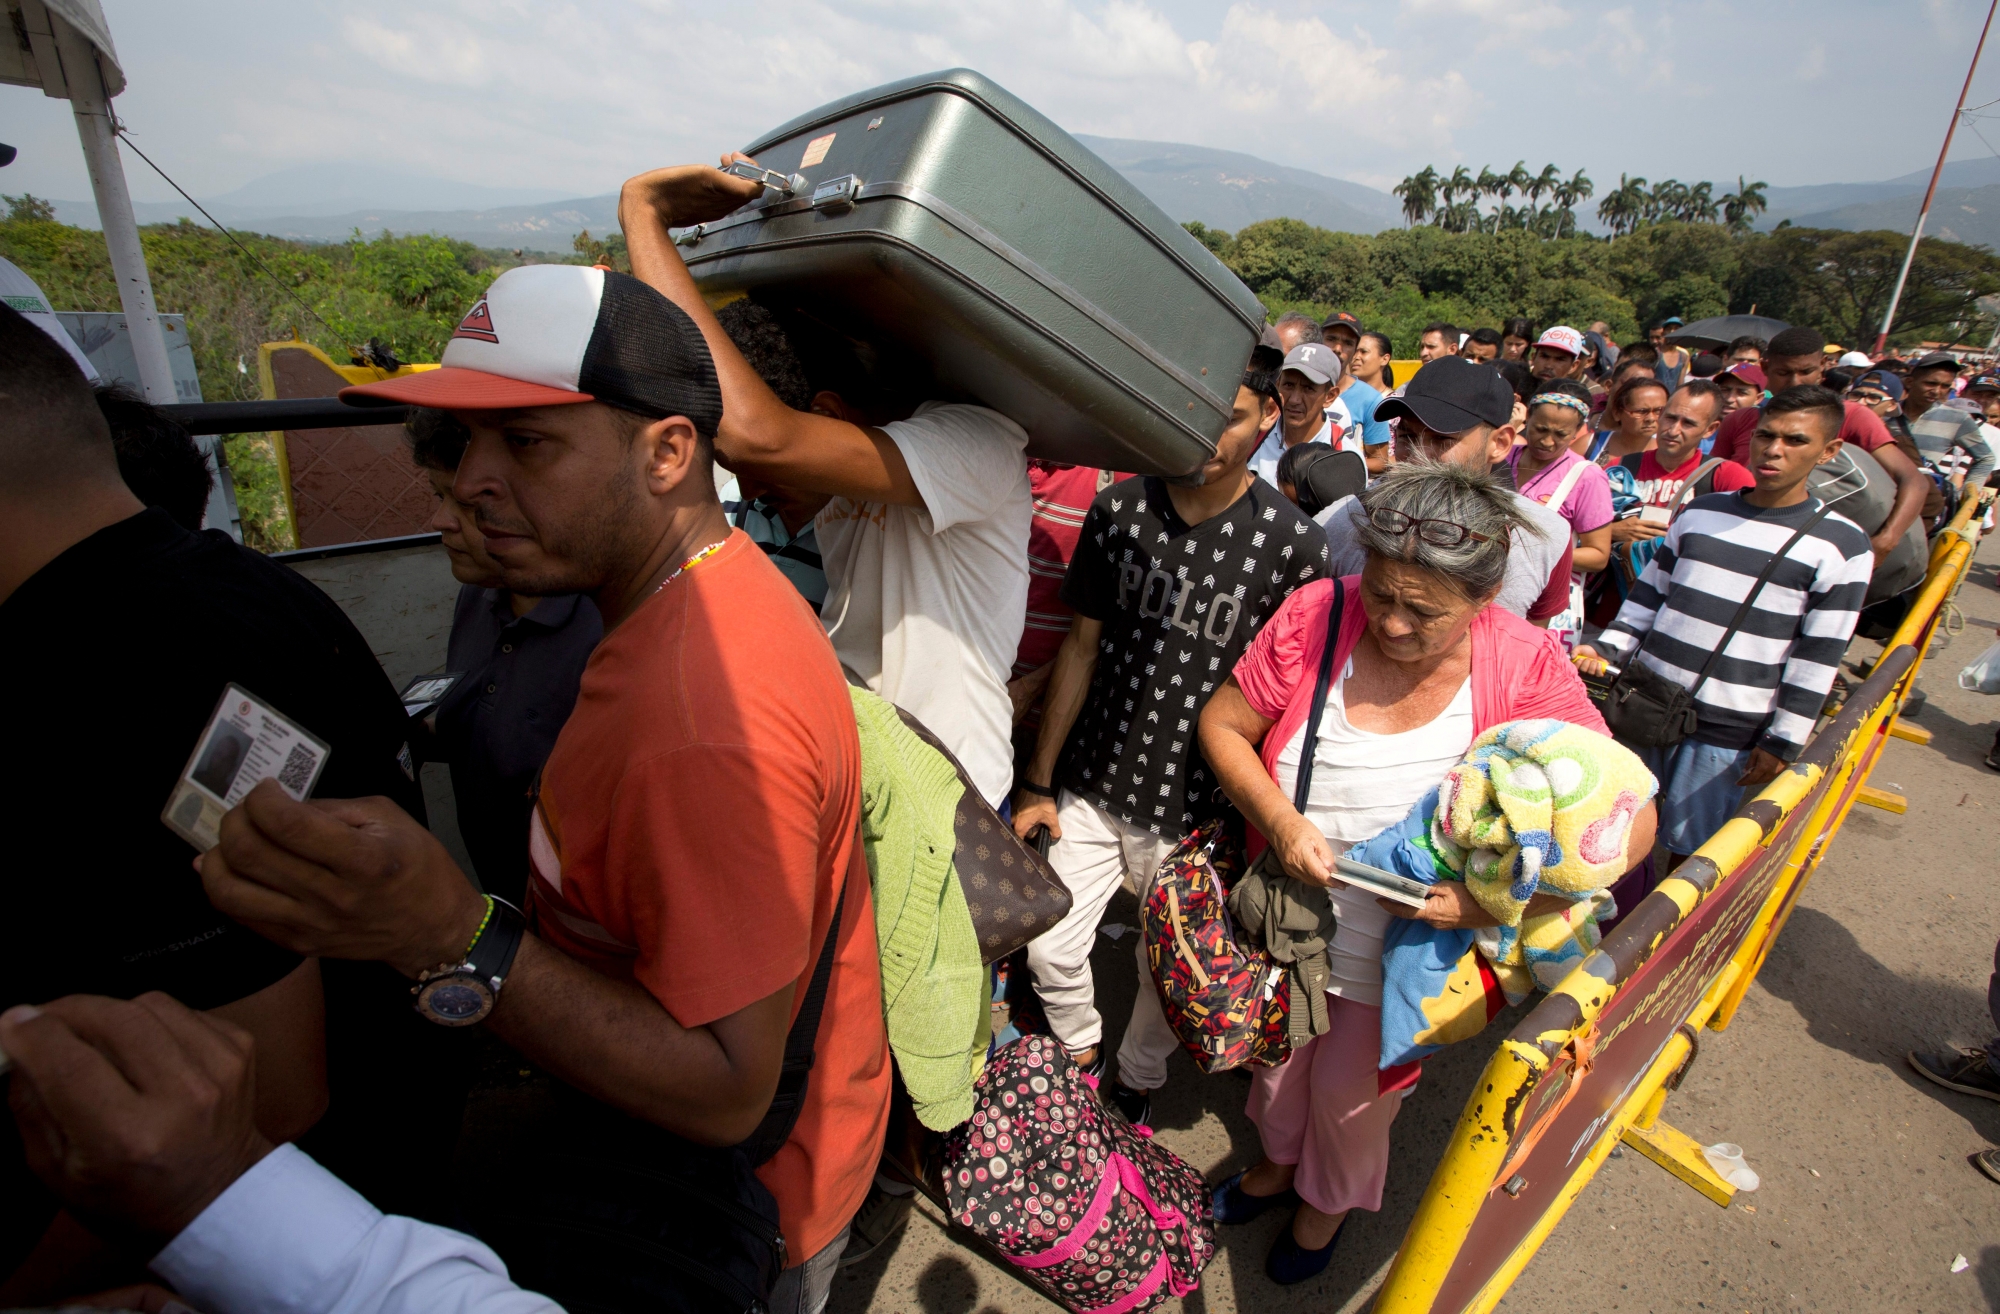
[[1535, 806]]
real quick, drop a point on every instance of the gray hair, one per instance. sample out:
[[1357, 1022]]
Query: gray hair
[[1438, 490], [1309, 329]]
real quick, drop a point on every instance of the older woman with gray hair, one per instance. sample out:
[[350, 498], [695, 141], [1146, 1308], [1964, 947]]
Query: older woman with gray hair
[[1422, 664]]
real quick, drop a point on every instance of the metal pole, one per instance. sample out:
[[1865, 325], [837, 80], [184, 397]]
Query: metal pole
[[1916, 234], [114, 210]]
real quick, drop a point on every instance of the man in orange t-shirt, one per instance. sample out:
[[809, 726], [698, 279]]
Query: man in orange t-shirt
[[695, 831]]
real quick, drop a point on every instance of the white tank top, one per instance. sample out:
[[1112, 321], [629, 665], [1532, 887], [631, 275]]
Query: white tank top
[[1362, 784]]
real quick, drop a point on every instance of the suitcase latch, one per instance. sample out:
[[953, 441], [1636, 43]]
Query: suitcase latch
[[837, 194]]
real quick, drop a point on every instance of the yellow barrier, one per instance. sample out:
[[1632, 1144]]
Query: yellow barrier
[[1592, 1064]]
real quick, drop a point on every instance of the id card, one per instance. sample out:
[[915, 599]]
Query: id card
[[422, 695], [245, 742], [1375, 880]]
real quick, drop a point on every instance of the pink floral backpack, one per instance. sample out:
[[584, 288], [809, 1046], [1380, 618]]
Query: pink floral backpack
[[1099, 1216]]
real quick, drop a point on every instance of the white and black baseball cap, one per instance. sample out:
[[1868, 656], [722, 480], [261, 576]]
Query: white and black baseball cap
[[1453, 394], [556, 335]]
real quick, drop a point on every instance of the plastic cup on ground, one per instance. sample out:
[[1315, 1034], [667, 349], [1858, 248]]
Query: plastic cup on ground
[[1727, 1161]]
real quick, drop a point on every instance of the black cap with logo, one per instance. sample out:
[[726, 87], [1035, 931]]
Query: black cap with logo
[[1453, 394]]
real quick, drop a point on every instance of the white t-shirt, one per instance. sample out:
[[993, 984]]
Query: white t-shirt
[[1362, 784], [1339, 432], [927, 606], [25, 295]]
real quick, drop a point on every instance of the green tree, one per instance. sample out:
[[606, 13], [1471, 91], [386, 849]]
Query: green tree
[[29, 208], [1213, 238]]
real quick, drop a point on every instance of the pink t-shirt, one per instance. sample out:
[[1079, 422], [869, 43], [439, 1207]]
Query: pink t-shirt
[[1587, 505]]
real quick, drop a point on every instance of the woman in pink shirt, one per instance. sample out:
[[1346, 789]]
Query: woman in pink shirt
[[1421, 665], [1547, 470]]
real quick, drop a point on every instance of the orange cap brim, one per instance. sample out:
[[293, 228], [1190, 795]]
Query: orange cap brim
[[451, 388]]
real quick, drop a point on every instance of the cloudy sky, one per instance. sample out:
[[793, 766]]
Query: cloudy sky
[[575, 96]]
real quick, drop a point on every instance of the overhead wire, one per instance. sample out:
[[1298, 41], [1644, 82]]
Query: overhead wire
[[268, 271]]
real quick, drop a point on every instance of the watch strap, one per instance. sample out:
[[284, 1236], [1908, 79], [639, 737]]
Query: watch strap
[[492, 953]]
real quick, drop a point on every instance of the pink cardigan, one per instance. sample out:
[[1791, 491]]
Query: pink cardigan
[[1518, 670]]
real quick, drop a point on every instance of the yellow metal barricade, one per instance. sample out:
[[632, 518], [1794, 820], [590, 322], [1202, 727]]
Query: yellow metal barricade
[[1592, 1064]]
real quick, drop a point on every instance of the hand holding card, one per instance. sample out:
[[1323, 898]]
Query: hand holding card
[[341, 878], [245, 742]]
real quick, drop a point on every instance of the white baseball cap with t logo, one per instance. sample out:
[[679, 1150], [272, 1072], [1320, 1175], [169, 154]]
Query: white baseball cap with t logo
[[557, 335]]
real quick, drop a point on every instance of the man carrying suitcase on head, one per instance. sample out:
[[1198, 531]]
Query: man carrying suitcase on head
[[925, 540]]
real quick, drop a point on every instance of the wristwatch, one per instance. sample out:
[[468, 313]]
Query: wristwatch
[[460, 994]]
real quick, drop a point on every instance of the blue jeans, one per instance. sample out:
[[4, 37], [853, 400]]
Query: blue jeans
[[1698, 790], [803, 1288]]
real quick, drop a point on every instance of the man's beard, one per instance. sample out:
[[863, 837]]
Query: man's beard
[[583, 555]]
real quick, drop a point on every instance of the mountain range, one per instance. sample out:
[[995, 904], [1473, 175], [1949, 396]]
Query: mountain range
[[1223, 189]]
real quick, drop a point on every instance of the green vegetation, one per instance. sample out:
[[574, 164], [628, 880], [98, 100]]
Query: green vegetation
[[1400, 280], [404, 294]]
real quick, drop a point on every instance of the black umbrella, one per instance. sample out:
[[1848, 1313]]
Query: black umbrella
[[1725, 329]]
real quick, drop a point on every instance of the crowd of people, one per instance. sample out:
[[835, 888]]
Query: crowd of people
[[684, 536]]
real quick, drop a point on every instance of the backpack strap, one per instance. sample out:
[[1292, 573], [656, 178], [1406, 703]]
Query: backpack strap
[[1690, 489], [795, 1072], [1743, 611], [1555, 500], [1302, 790]]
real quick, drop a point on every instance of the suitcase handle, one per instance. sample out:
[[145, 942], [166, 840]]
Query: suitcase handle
[[784, 184]]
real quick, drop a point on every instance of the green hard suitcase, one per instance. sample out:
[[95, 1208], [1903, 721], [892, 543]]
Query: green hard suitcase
[[942, 219]]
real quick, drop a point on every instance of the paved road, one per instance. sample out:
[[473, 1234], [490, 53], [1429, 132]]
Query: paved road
[[1890, 948]]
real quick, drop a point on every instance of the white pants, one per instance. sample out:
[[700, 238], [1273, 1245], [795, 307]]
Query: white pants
[[1096, 854]]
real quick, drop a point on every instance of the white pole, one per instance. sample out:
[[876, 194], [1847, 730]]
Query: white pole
[[114, 210]]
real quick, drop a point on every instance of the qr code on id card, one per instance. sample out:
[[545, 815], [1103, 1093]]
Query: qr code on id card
[[297, 772]]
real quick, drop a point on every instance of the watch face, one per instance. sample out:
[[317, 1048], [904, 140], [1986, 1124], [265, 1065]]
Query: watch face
[[455, 1001]]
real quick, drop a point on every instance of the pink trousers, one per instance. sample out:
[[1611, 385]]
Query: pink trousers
[[1321, 1111]]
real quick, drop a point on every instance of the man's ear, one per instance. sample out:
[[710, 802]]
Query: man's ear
[[1267, 412], [670, 452], [836, 406], [1499, 443], [1831, 448]]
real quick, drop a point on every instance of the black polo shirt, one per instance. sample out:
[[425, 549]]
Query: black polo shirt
[[112, 658], [499, 722]]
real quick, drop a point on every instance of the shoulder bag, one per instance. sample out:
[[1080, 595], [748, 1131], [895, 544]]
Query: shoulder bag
[[1646, 709]]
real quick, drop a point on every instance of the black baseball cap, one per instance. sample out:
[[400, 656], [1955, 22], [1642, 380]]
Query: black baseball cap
[[1453, 394], [1937, 360], [1341, 319]]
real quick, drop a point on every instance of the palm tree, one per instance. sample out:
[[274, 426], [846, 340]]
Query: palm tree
[[1738, 206], [1419, 194], [1700, 206], [1460, 183], [1664, 201], [1542, 184], [1622, 209], [1518, 178]]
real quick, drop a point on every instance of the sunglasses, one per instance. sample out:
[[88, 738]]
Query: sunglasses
[[1868, 397], [1437, 533]]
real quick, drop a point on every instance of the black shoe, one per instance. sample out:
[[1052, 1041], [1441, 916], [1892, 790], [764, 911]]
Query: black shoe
[[876, 1224], [1963, 1070], [1135, 1105], [1095, 1068], [1988, 1162], [1290, 1263], [1233, 1204]]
